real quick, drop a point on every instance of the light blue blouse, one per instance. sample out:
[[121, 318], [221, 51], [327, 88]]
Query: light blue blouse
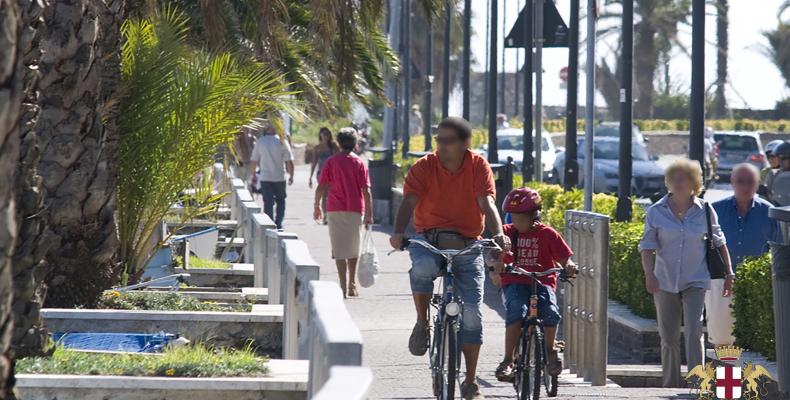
[[680, 245]]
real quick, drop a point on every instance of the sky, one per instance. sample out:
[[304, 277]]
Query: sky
[[754, 80]]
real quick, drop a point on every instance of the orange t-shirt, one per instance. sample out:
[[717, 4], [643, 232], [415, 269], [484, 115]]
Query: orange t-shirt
[[449, 200]]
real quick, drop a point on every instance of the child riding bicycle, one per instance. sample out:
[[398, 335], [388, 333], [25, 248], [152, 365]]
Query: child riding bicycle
[[536, 247]]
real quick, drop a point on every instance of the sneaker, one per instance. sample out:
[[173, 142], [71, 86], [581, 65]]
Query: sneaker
[[419, 339], [471, 391], [504, 372], [555, 363]]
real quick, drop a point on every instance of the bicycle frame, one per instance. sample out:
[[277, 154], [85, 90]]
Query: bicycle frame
[[447, 318]]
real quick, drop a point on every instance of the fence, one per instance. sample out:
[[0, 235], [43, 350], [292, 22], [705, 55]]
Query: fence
[[317, 325], [585, 304]]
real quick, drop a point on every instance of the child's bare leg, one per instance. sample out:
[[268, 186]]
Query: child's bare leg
[[550, 333], [512, 334]]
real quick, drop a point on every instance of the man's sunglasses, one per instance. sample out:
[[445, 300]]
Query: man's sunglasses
[[446, 140], [745, 181]]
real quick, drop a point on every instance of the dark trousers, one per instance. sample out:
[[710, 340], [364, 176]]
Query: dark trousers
[[274, 194]]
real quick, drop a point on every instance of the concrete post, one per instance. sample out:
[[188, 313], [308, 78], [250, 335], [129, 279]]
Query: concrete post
[[300, 269], [346, 383], [245, 225], [335, 339], [273, 256], [261, 223], [780, 253]]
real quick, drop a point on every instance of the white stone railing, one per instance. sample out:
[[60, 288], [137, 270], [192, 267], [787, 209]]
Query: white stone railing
[[334, 338], [346, 383], [298, 269]]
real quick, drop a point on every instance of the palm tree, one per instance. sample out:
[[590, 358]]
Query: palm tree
[[11, 92], [180, 105], [32, 243], [657, 24], [78, 135], [778, 49], [331, 52], [722, 52]]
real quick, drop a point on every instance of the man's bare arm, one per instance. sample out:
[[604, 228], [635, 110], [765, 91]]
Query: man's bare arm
[[404, 213], [493, 222]]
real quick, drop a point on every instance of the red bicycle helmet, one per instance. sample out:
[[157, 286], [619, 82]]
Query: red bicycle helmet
[[522, 200]]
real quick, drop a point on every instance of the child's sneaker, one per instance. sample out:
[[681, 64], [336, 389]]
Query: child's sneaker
[[504, 372]]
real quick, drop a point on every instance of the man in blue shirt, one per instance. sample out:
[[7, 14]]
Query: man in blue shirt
[[744, 219]]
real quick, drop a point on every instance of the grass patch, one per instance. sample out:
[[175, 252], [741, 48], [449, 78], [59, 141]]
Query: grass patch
[[188, 361], [197, 262], [163, 301]]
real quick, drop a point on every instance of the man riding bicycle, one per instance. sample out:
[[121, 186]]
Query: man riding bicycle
[[451, 194], [536, 248]]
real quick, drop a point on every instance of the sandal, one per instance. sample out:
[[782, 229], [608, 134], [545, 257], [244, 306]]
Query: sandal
[[504, 372], [555, 363]]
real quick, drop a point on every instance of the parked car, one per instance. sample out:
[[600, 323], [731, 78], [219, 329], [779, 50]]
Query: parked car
[[510, 143], [612, 129], [647, 179], [733, 148]]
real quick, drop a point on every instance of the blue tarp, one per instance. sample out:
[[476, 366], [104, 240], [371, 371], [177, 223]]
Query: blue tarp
[[125, 342]]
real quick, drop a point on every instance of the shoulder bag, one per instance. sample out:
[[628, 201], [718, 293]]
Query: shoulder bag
[[716, 266]]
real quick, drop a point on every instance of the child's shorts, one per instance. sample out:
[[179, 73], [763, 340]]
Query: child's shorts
[[516, 299]]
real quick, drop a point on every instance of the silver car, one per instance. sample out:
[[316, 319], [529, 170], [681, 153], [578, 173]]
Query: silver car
[[510, 143], [734, 148], [648, 176]]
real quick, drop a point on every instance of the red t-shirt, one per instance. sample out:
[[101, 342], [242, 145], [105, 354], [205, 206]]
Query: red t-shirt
[[346, 175], [536, 250]]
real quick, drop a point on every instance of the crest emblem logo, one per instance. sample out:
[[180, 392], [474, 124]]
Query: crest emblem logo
[[729, 382]]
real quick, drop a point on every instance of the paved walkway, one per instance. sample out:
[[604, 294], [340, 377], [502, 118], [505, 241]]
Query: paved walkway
[[385, 315]]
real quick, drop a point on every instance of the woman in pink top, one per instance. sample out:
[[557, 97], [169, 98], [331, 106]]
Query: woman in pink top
[[346, 174]]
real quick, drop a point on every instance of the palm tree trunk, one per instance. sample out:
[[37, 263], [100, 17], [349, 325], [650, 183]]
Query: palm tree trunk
[[32, 242], [78, 135], [722, 44], [11, 95], [645, 64]]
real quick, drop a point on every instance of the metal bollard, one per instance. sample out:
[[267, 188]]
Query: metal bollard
[[585, 305], [780, 254]]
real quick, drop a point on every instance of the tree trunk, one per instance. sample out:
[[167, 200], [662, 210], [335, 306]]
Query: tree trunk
[[78, 135], [722, 45], [645, 64], [10, 100], [608, 83], [32, 240]]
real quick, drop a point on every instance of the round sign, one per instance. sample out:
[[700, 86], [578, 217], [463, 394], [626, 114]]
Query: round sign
[[564, 74]]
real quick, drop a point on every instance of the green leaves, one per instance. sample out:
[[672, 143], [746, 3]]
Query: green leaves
[[752, 305], [180, 106]]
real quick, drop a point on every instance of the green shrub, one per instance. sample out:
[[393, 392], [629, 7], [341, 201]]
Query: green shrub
[[185, 361], [753, 306], [197, 262], [162, 301], [626, 277]]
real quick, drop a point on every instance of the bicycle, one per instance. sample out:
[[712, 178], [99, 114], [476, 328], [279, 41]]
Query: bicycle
[[532, 357], [444, 354]]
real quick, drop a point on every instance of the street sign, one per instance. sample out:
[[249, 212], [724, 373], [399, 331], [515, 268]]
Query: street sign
[[564, 74], [555, 31]]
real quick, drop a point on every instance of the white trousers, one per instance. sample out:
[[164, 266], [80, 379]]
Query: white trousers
[[719, 314]]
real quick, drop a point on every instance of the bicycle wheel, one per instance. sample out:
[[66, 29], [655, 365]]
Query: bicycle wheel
[[449, 359], [530, 366]]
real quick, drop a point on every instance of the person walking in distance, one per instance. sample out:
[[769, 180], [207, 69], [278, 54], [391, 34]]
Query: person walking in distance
[[274, 157], [345, 177], [673, 250], [451, 195], [326, 147], [743, 218]]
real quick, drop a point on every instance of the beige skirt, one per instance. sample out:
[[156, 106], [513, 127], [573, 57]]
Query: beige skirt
[[344, 232]]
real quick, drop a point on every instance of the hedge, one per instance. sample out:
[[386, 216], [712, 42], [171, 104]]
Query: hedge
[[753, 306], [558, 125]]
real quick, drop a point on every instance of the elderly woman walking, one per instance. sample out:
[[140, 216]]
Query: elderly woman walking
[[673, 252], [348, 200]]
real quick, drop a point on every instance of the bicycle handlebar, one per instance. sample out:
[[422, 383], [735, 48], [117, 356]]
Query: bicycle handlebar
[[478, 244]]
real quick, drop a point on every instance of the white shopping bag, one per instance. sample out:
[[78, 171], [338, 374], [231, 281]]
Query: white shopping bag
[[368, 261]]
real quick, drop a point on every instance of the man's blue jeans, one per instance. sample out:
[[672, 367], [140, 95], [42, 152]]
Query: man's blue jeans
[[469, 276], [274, 194]]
